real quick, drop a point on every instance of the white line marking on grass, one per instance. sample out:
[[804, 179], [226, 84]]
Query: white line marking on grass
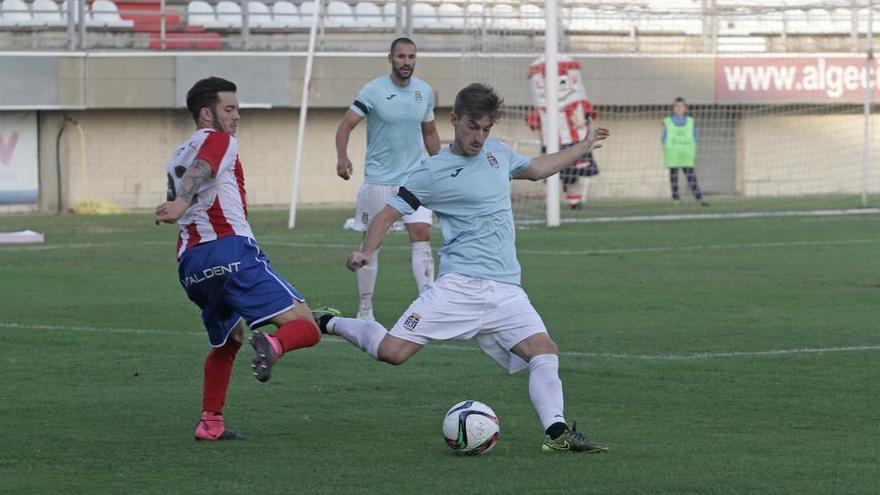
[[147, 331], [718, 355], [708, 247], [717, 216], [52, 247], [555, 252], [603, 355]]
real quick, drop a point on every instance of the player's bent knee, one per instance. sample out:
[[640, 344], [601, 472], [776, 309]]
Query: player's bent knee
[[396, 351], [394, 357], [418, 232], [535, 345]]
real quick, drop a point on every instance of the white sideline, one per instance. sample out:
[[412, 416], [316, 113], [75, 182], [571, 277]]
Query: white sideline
[[549, 252], [716, 216], [587, 252], [602, 355]]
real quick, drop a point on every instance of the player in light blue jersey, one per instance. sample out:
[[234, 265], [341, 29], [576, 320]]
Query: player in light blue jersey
[[478, 294], [399, 109]]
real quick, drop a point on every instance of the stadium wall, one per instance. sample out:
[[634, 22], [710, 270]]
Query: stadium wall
[[129, 107], [808, 168], [126, 151]]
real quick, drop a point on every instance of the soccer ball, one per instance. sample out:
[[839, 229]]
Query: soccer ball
[[471, 428]]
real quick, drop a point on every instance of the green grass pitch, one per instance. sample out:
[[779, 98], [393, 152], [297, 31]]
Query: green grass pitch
[[664, 329]]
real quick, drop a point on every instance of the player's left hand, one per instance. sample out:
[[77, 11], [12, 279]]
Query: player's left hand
[[595, 133], [356, 260], [170, 211]]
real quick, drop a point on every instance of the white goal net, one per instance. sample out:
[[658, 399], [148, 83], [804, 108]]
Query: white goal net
[[777, 124]]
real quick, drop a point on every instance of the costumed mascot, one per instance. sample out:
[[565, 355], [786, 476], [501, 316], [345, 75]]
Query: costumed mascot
[[575, 111]]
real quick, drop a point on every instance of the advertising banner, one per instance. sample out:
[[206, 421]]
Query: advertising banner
[[19, 175], [811, 79]]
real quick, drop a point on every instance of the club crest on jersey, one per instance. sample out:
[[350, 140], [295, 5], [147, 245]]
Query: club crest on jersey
[[411, 321], [492, 160], [418, 96]]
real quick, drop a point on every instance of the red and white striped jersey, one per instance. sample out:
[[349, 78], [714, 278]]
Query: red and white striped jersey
[[219, 208]]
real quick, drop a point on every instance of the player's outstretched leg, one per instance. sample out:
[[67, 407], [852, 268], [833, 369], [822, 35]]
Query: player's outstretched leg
[[366, 335], [370, 337]]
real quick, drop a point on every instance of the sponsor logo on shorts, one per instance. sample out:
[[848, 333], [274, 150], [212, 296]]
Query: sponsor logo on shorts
[[214, 271], [411, 321], [418, 96], [365, 218], [492, 160]]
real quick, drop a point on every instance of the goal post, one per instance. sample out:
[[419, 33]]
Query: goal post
[[551, 127]]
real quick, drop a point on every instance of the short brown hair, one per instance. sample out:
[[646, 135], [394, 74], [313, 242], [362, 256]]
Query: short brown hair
[[478, 100], [204, 94]]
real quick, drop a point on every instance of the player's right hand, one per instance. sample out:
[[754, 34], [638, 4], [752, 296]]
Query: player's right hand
[[595, 133], [356, 260], [170, 211], [344, 168]]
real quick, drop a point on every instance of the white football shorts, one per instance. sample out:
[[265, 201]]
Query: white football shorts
[[373, 197], [459, 307]]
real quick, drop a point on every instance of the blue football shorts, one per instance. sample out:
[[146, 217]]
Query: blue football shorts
[[230, 279]]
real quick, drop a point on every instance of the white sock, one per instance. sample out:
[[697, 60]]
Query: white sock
[[545, 388], [367, 335], [422, 264], [366, 278]]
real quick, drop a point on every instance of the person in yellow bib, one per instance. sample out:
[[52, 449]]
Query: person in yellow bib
[[680, 149]]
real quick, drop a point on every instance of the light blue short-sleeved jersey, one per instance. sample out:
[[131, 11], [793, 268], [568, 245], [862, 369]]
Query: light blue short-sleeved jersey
[[394, 127], [471, 196]]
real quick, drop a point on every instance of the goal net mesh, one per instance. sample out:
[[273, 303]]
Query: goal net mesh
[[754, 153]]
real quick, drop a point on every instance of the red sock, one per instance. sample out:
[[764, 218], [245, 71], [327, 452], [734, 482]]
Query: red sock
[[218, 370], [297, 334]]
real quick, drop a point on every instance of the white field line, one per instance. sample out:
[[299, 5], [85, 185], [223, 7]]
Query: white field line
[[707, 247], [698, 356], [547, 252], [717, 216], [82, 245]]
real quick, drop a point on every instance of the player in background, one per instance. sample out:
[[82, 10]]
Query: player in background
[[221, 267], [399, 109], [575, 112], [680, 149], [478, 294]]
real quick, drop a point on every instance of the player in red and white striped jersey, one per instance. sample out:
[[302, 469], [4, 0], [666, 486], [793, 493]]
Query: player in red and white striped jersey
[[221, 267], [219, 208]]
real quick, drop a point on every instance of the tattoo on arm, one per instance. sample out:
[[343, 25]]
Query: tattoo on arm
[[195, 176]]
